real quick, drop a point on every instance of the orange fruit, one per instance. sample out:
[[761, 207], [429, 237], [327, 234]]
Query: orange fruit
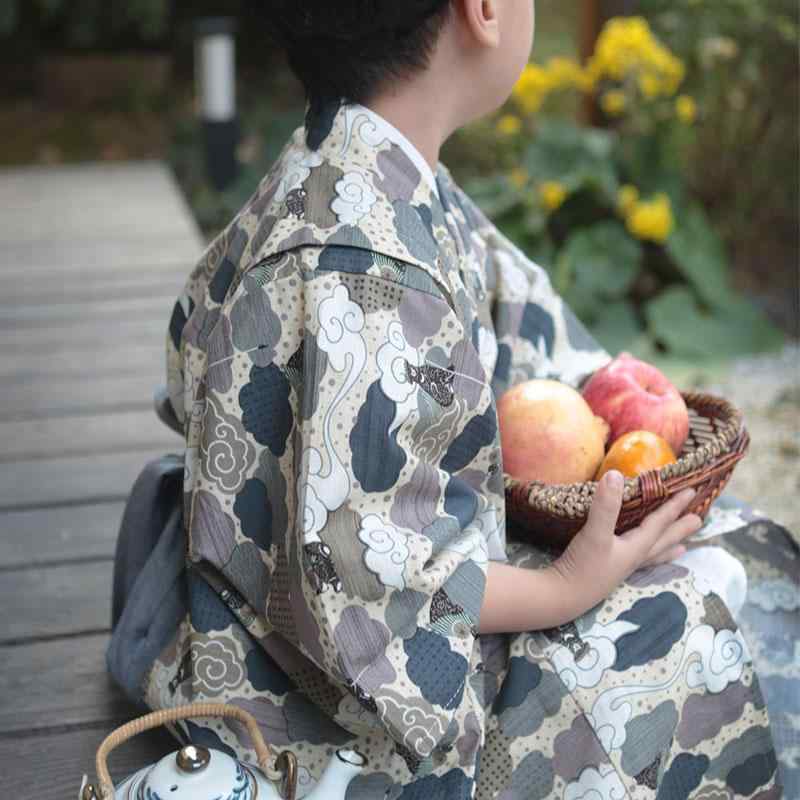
[[635, 452]]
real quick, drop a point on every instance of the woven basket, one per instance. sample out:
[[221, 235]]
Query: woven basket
[[553, 513]]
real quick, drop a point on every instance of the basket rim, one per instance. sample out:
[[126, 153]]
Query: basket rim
[[547, 497]]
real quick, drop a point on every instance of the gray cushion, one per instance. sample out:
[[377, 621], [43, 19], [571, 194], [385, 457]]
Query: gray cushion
[[149, 591]]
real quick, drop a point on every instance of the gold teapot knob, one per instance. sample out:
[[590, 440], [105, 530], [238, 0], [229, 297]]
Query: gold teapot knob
[[89, 793], [192, 758]]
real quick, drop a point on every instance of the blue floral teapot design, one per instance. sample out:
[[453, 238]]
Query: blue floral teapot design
[[200, 773]]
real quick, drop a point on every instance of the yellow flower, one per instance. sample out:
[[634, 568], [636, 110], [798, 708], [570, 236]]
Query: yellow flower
[[627, 47], [553, 194], [651, 220], [531, 88], [613, 102], [686, 109], [649, 84], [518, 176], [563, 73], [509, 125], [627, 198], [536, 82]]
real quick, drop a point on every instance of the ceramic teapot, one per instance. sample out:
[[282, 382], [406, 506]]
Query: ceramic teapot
[[196, 773]]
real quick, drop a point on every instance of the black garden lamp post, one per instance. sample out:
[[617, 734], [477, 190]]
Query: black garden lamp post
[[215, 84]]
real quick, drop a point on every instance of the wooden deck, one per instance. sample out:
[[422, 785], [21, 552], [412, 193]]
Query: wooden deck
[[92, 258]]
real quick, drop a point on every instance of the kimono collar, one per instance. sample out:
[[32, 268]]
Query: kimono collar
[[382, 129], [349, 177], [347, 130]]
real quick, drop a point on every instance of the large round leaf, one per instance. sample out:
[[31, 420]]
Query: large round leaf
[[676, 320], [494, 195], [542, 252], [603, 259], [697, 251], [616, 326], [575, 157]]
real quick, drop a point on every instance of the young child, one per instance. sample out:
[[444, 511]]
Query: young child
[[335, 360]]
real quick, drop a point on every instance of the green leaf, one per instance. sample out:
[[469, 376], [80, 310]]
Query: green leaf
[[603, 259], [535, 221], [583, 303], [675, 319], [573, 156], [494, 195], [690, 374], [698, 253], [643, 347], [616, 326], [513, 226], [763, 335], [542, 251], [653, 165]]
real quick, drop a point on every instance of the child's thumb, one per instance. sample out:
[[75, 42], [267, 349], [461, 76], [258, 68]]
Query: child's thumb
[[605, 508]]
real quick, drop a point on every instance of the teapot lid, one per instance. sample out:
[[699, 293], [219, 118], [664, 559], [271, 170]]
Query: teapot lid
[[195, 772]]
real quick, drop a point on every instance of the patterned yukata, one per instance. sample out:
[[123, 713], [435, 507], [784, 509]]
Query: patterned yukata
[[335, 359]]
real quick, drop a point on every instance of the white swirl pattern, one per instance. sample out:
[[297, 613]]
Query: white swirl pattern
[[340, 323], [387, 550], [421, 731], [299, 165], [354, 198], [601, 783], [711, 659], [602, 654], [391, 358]]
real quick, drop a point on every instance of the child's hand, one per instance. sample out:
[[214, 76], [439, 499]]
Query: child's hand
[[593, 565], [597, 560]]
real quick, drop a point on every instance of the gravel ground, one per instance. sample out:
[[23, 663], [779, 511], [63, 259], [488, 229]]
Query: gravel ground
[[767, 390]]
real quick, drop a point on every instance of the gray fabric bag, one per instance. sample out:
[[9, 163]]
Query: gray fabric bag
[[149, 584]]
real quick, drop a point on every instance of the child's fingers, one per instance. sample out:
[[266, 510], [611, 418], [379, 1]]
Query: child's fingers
[[655, 523], [682, 528], [670, 554], [606, 505]]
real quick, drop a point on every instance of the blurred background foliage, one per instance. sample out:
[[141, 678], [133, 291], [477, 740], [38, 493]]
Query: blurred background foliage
[[634, 215], [655, 178]]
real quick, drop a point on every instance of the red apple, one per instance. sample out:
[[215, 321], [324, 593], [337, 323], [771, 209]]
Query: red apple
[[631, 395]]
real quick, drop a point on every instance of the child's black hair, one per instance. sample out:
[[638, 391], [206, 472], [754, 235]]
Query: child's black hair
[[349, 49]]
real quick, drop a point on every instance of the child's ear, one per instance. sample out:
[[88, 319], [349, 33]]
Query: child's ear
[[480, 17]]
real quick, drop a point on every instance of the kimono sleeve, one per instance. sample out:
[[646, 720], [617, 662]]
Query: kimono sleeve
[[538, 334], [392, 515]]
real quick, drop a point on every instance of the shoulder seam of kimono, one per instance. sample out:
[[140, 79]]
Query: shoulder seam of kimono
[[411, 276]]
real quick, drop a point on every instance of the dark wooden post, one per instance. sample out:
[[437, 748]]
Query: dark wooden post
[[594, 14], [590, 28]]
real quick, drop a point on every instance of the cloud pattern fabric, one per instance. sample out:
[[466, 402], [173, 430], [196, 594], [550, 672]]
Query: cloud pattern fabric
[[335, 360]]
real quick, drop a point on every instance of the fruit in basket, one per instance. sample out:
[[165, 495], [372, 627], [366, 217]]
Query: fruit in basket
[[635, 452], [632, 395], [548, 433]]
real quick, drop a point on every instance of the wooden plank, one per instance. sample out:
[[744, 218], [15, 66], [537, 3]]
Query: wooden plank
[[86, 290], [51, 766], [130, 359], [70, 599], [82, 434], [113, 254], [84, 312], [40, 202], [19, 287], [86, 334], [42, 535], [44, 395], [72, 480], [90, 267], [59, 683]]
